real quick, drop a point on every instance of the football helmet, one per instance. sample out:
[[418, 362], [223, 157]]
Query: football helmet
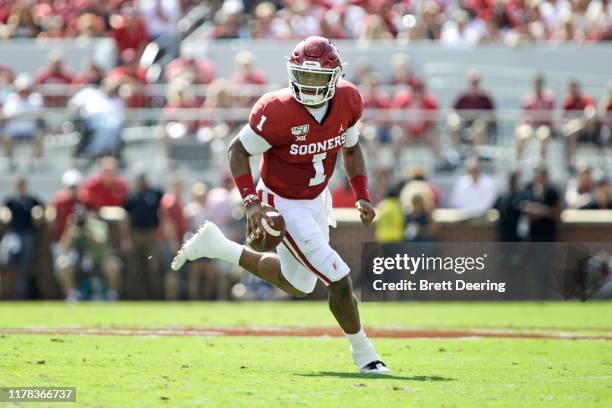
[[314, 69]]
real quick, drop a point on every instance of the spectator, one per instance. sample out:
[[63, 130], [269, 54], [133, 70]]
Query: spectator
[[63, 202], [428, 26], [25, 208], [304, 18], [508, 207], [190, 68], [376, 99], [416, 183], [20, 24], [382, 175], [130, 79], [105, 188], [474, 193], [221, 202], [173, 228], [401, 71], [542, 206], [161, 19], [129, 32], [605, 115], [374, 28], [219, 96], [362, 71], [461, 30], [420, 226], [228, 20], [333, 25], [601, 199], [421, 116], [567, 32], [6, 80], [55, 77], [579, 121], [143, 207], [179, 121], [523, 33], [89, 25], [202, 275], [553, 12], [472, 118], [91, 75], [537, 119], [493, 34], [88, 264], [389, 227], [22, 115], [342, 195], [195, 211], [99, 119], [245, 71], [267, 25], [579, 190], [63, 205], [373, 96]]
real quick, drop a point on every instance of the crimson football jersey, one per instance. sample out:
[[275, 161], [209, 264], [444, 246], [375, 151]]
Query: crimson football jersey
[[302, 156]]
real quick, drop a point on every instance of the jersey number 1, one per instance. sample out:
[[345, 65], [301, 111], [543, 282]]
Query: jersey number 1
[[261, 122], [317, 161]]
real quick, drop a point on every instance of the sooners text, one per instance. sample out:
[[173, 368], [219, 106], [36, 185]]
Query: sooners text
[[319, 147]]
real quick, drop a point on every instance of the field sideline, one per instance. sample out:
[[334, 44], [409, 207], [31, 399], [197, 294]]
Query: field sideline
[[147, 361]]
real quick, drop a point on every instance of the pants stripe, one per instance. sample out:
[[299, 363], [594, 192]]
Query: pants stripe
[[290, 244], [292, 252], [305, 260]]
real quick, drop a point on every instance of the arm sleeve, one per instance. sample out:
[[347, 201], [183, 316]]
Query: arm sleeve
[[252, 142], [352, 136]]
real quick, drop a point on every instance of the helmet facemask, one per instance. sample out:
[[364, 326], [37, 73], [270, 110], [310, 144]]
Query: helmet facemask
[[311, 84]]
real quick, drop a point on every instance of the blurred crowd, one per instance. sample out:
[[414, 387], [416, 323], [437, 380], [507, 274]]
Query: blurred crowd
[[528, 208], [196, 107], [134, 22], [130, 23], [465, 22], [413, 115], [108, 238], [100, 105]]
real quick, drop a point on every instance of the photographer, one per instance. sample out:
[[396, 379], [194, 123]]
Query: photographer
[[18, 244], [87, 263]]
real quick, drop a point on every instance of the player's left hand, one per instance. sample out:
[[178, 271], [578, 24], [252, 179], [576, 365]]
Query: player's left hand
[[366, 211]]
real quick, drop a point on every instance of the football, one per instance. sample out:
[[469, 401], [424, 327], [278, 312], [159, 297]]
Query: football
[[272, 235]]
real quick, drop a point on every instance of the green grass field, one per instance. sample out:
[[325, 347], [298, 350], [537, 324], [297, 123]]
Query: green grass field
[[227, 371]]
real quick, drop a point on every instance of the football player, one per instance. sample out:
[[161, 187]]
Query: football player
[[300, 130]]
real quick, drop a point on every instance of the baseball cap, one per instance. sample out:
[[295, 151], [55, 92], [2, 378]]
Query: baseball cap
[[71, 178]]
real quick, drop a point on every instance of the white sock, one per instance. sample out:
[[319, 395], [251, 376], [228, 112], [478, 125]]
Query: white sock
[[362, 349], [230, 251]]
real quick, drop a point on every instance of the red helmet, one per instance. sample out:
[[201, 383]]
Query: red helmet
[[314, 69]]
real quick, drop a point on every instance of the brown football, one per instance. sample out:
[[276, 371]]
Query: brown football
[[272, 235]]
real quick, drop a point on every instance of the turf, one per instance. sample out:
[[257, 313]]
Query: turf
[[451, 314], [151, 371]]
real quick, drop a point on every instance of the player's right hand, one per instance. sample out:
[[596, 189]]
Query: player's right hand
[[255, 213]]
